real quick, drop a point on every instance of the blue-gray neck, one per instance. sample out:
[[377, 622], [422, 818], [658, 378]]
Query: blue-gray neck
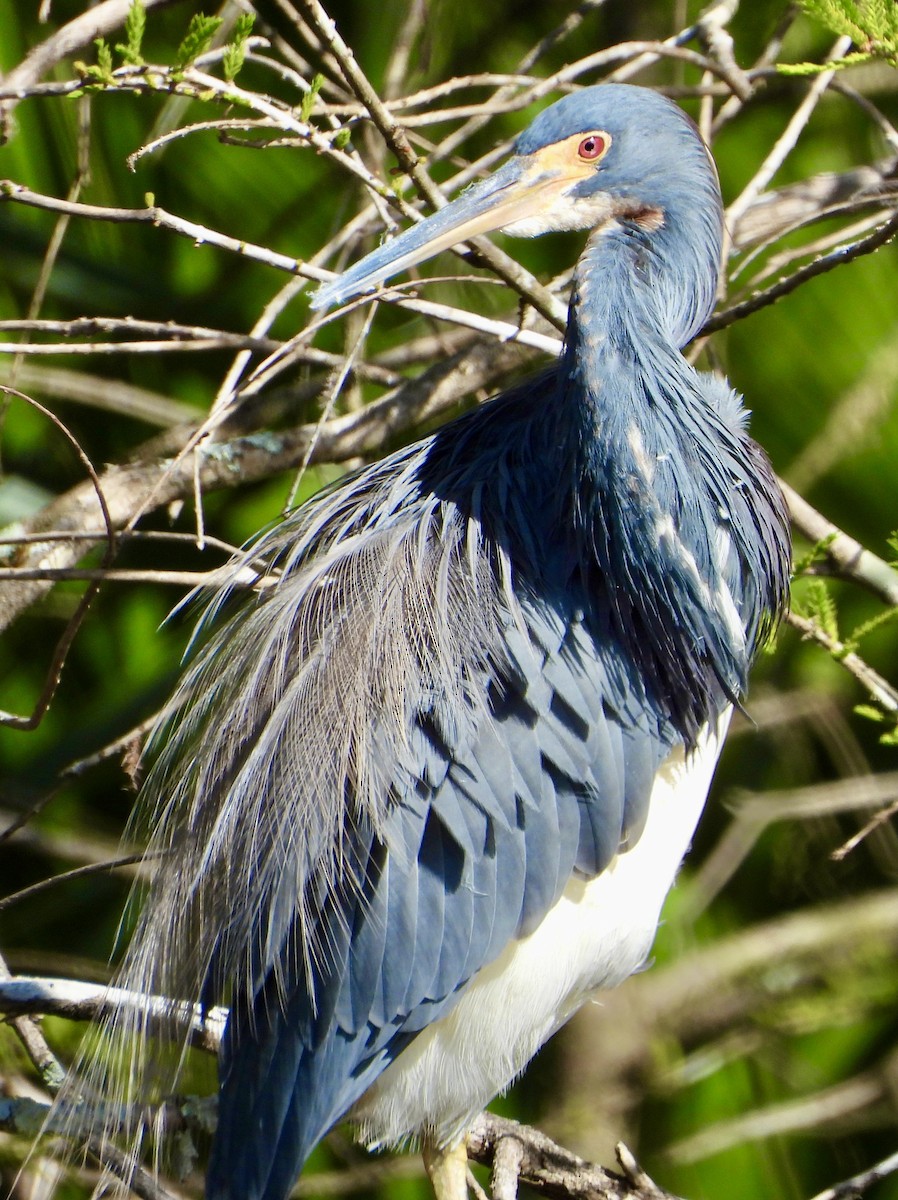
[[623, 487], [680, 518]]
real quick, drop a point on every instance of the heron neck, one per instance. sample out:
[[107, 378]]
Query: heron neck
[[657, 285], [649, 442]]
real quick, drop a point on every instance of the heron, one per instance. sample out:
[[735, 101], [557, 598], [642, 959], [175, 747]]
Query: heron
[[426, 790]]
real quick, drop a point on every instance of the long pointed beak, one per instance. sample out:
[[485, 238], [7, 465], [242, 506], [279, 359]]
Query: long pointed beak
[[514, 193]]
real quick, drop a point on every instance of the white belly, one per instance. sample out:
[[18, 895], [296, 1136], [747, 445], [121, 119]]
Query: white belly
[[598, 933]]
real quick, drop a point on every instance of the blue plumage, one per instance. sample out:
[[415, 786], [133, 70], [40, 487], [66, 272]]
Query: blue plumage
[[481, 658]]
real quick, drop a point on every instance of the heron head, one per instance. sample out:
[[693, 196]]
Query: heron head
[[605, 154]]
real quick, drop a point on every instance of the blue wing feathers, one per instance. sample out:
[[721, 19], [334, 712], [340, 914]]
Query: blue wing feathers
[[480, 849], [487, 821]]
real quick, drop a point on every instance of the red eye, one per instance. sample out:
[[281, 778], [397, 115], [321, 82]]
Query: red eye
[[591, 147]]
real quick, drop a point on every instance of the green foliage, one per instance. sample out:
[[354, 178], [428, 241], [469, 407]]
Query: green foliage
[[817, 554], [200, 32], [235, 51], [101, 71], [820, 607], [871, 24], [135, 26], [308, 100], [196, 41], [860, 631], [880, 716]]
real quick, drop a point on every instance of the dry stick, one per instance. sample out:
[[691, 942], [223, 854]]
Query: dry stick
[[768, 56], [711, 30], [836, 258], [26, 995], [848, 555], [105, 349], [502, 264], [154, 215], [879, 119], [43, 885], [193, 79], [667, 1000], [82, 173], [636, 55], [508, 88], [786, 141], [182, 579], [879, 688], [878, 819], [640, 54], [86, 326], [785, 259], [842, 255], [54, 673], [228, 391], [857, 1185], [110, 395], [502, 331], [753, 814], [331, 399], [26, 815], [796, 206], [803, 1114], [850, 559], [553, 1170], [400, 56], [75, 535], [35, 1044], [246, 459]]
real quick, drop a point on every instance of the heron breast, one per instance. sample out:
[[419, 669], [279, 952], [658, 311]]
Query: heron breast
[[597, 934]]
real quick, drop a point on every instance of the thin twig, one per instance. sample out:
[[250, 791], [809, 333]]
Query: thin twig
[[394, 135], [785, 143], [24, 995], [158, 217], [837, 258], [555, 1171], [848, 557], [857, 1185], [89, 869], [878, 687]]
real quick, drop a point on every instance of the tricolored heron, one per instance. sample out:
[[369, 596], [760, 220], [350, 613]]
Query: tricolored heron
[[427, 790]]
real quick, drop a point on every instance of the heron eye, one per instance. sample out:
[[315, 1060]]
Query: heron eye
[[591, 147]]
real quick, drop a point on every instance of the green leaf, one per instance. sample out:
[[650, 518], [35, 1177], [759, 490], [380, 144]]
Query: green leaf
[[135, 25], [874, 623], [341, 138], [843, 17], [871, 24], [809, 68], [878, 18], [235, 52], [817, 553], [870, 712], [103, 70], [200, 32], [308, 100], [821, 607]]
